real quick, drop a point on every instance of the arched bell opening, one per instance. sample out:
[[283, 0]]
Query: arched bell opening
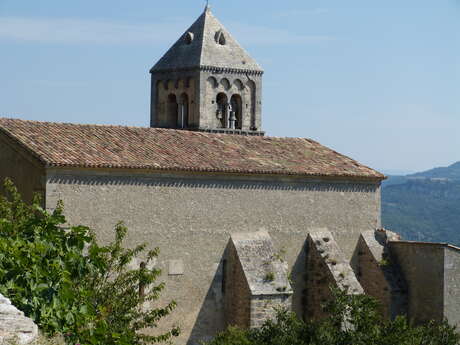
[[172, 109], [222, 109], [183, 120], [236, 112]]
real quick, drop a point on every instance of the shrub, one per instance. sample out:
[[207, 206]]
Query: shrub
[[353, 320], [68, 284]]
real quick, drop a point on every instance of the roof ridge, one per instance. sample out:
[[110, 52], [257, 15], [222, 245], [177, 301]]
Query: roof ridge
[[153, 128], [204, 15]]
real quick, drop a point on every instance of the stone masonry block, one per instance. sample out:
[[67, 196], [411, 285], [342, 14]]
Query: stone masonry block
[[176, 268]]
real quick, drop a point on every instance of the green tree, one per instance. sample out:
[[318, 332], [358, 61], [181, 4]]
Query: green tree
[[69, 284], [353, 320]]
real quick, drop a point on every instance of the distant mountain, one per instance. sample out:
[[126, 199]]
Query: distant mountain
[[424, 206], [451, 172]]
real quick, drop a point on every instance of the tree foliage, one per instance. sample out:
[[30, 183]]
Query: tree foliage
[[353, 320], [59, 276]]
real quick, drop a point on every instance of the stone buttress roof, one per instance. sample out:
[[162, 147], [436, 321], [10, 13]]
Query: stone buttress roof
[[198, 47], [257, 256], [96, 146]]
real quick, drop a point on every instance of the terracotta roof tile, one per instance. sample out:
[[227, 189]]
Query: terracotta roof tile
[[71, 145]]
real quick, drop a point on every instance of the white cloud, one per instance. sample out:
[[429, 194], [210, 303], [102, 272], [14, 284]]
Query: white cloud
[[89, 31], [81, 31]]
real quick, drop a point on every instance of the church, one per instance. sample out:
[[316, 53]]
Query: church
[[244, 221]]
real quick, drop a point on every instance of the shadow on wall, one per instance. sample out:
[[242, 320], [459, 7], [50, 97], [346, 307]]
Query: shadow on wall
[[210, 320], [299, 277], [211, 317]]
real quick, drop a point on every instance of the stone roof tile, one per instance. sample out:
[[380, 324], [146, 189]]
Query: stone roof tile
[[97, 146]]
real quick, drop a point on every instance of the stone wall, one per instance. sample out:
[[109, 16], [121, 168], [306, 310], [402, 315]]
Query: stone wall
[[432, 272], [422, 265], [25, 171], [379, 276], [452, 285], [191, 217], [327, 268], [14, 325], [264, 307]]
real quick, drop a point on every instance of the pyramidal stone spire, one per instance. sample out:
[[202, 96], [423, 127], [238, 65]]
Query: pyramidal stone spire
[[206, 81], [207, 43]]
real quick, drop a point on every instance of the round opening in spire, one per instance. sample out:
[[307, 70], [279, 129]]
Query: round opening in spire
[[188, 38], [220, 38]]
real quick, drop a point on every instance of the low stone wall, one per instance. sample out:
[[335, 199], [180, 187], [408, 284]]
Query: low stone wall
[[14, 325], [432, 273]]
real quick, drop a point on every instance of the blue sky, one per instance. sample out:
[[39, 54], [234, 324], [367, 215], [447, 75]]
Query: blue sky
[[376, 80]]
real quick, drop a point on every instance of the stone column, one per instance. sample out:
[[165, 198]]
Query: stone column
[[180, 114]]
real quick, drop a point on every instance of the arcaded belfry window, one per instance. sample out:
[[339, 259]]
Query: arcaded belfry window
[[237, 111], [171, 120], [183, 116], [221, 113]]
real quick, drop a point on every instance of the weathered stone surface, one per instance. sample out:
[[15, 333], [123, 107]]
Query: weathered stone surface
[[378, 274], [191, 216], [203, 48], [452, 284], [27, 173], [204, 71], [259, 275], [327, 267], [14, 325], [256, 280], [432, 272]]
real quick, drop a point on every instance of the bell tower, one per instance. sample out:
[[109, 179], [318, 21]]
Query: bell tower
[[207, 82]]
